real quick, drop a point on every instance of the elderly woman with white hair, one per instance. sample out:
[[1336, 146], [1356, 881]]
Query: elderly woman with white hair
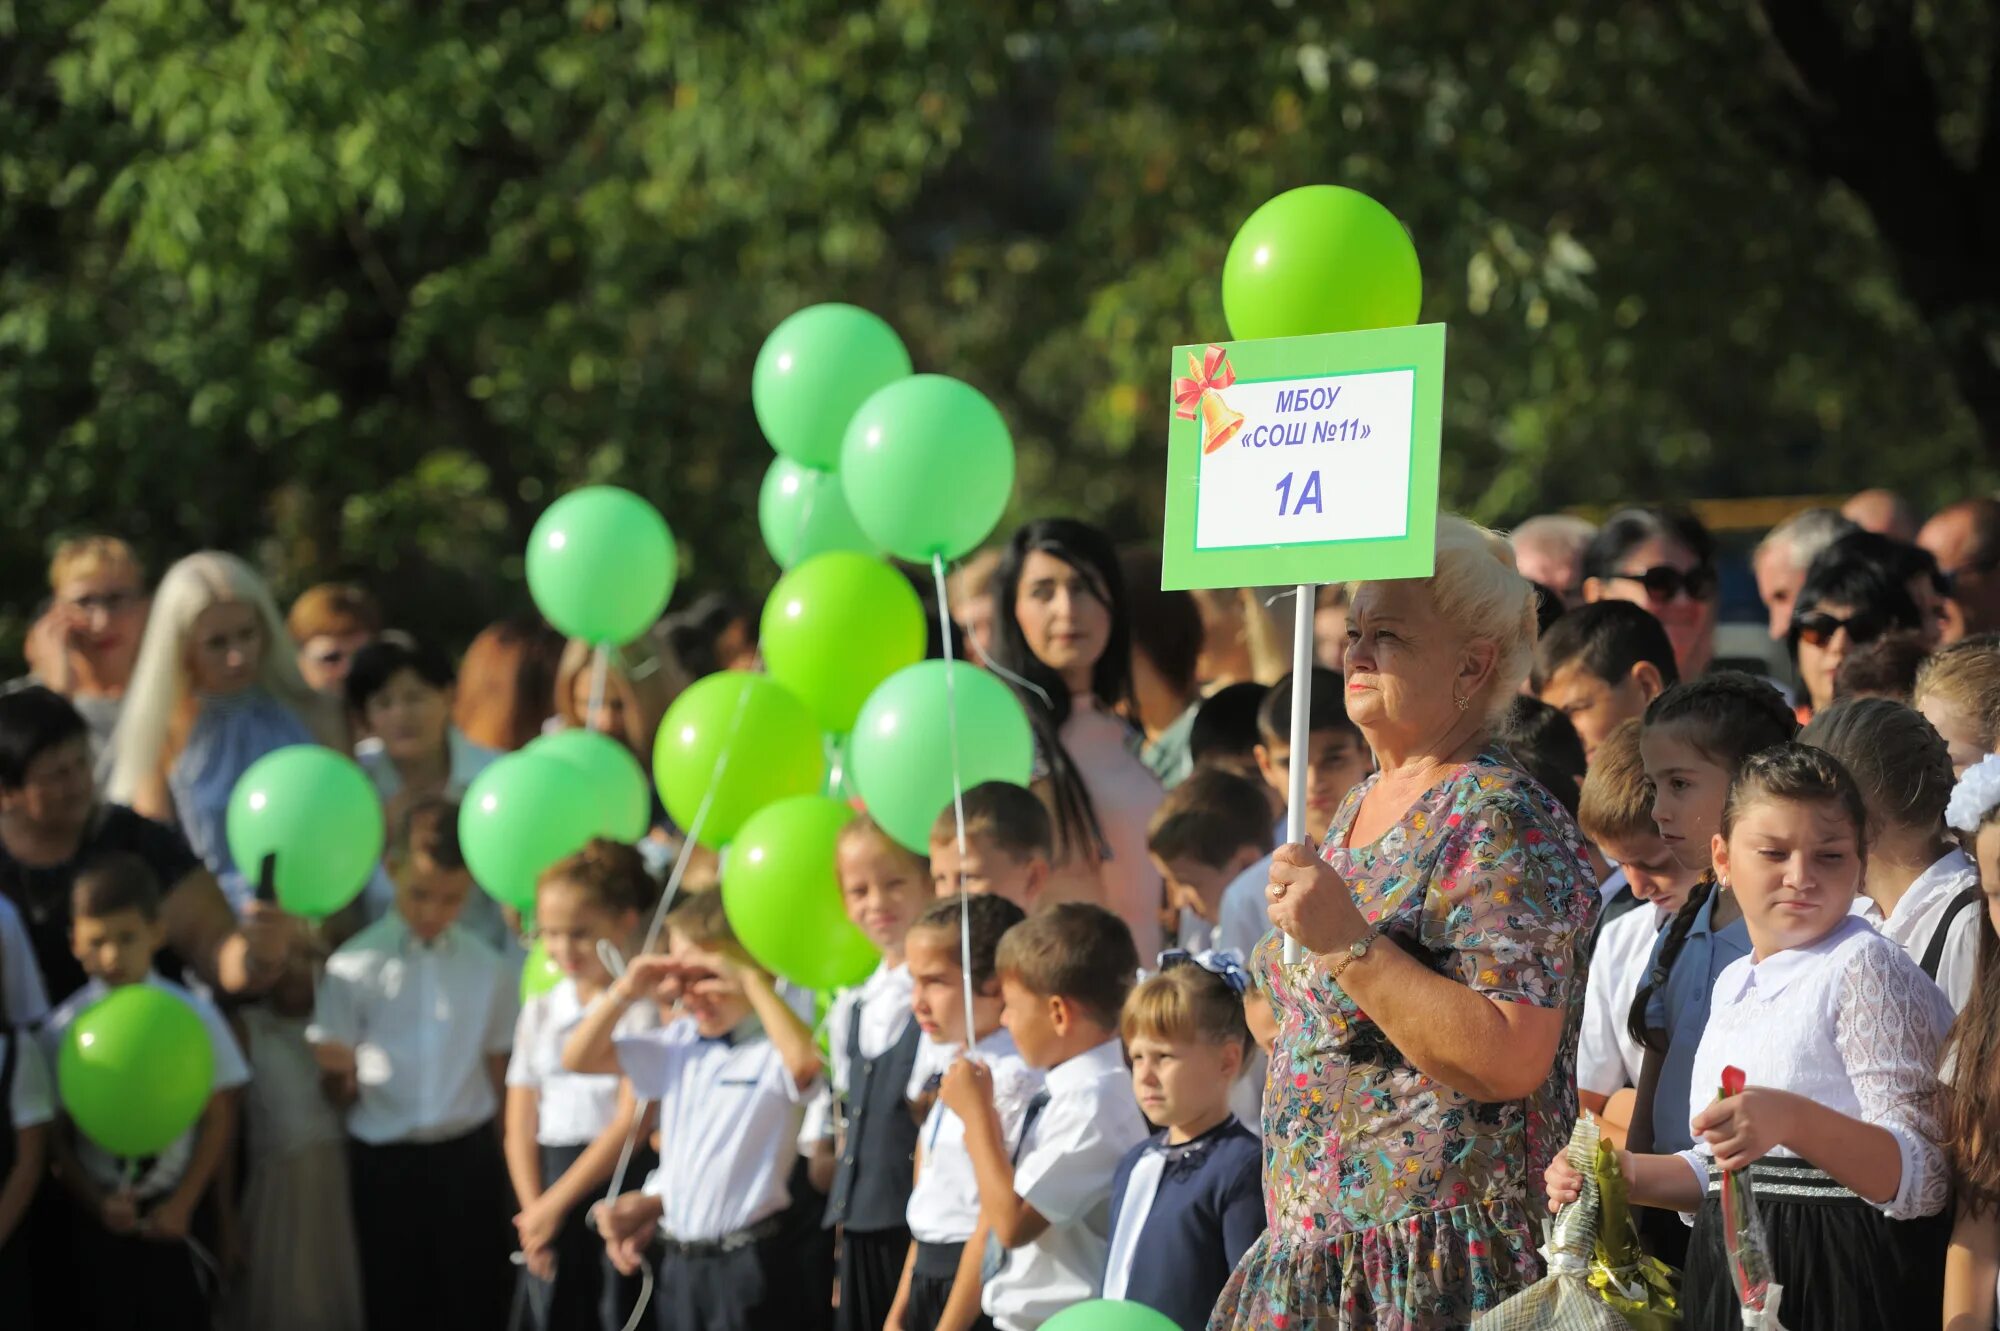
[[1423, 1072], [215, 689]]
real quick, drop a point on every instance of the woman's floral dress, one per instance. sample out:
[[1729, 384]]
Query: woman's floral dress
[[1396, 1203]]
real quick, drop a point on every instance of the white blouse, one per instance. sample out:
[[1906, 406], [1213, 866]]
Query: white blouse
[[1849, 1022]]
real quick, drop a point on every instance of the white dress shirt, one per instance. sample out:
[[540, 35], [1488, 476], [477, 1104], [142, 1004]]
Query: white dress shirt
[[1072, 1150], [422, 1022], [1245, 915], [883, 1004], [944, 1205], [23, 1000], [729, 1119], [571, 1108], [1918, 914], [1849, 1022], [108, 1171], [32, 1102], [1607, 1057]]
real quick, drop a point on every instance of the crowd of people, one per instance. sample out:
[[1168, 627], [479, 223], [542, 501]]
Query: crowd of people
[[1556, 862]]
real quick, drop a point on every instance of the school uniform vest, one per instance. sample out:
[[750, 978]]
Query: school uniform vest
[[880, 1131]]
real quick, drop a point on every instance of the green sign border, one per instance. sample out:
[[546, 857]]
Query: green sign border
[[1414, 555]]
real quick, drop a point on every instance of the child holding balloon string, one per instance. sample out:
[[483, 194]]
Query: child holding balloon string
[[136, 1218], [566, 1130]]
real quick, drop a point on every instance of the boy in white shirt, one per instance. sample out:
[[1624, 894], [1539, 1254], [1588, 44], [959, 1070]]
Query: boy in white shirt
[[730, 1078], [1044, 1203], [413, 1024], [940, 1281], [135, 1227]]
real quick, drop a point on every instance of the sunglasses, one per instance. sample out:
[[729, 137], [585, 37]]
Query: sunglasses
[[1663, 582], [1819, 627]]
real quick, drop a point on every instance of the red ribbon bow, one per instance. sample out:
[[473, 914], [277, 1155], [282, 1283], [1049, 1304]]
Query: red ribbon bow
[[1213, 370]]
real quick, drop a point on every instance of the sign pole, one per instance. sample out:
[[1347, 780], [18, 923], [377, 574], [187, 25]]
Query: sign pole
[[1302, 689]]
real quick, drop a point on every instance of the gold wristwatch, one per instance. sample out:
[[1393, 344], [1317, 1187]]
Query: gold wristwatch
[[1354, 952]]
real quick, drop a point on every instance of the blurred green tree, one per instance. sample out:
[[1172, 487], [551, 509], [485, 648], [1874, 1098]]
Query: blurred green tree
[[357, 285]]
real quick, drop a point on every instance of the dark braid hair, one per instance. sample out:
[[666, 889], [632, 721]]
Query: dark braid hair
[[1726, 717]]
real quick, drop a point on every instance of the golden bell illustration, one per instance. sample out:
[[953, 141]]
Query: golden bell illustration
[[1218, 423]]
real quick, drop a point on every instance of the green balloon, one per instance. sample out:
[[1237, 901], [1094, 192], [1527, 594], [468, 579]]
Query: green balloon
[[782, 895], [519, 816], [601, 564], [1320, 259], [612, 777], [814, 370], [1110, 1315], [928, 467], [803, 512], [317, 813], [901, 746], [835, 627], [539, 974], [737, 741], [135, 1070]]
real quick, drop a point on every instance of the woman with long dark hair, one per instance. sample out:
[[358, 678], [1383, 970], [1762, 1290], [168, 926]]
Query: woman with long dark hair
[[1061, 623]]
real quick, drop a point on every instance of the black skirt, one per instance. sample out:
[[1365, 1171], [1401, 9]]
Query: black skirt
[[1843, 1264]]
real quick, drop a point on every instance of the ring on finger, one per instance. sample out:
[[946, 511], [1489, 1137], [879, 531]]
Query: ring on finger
[[1277, 891]]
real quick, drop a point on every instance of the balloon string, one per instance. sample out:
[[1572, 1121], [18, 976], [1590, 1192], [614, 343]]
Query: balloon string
[[600, 667], [957, 791], [996, 667], [798, 550]]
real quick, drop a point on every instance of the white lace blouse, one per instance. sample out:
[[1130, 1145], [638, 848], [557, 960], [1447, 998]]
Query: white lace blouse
[[1849, 1022]]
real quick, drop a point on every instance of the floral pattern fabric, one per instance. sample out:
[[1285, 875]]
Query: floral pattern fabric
[[1396, 1203]]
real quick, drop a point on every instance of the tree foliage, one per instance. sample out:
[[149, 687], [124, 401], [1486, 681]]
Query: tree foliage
[[361, 284]]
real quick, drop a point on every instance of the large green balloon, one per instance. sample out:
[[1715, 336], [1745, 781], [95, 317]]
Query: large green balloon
[[135, 1070], [539, 974], [1110, 1315], [835, 627], [612, 776], [803, 512], [1320, 259], [766, 742], [519, 816], [928, 467], [901, 746], [814, 370], [782, 895], [601, 564], [316, 811]]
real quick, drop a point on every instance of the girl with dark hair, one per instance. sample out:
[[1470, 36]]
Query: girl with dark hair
[[1664, 562], [1693, 742], [1061, 623], [1847, 601], [1837, 1033]]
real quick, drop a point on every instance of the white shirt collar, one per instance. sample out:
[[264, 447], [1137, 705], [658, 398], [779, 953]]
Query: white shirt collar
[[408, 943], [1076, 1073], [1769, 977]]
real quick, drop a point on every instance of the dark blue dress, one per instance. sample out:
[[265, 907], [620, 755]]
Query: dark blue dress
[[1206, 1212]]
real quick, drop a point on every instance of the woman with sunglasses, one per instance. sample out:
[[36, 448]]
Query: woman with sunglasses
[[1848, 600], [1664, 562]]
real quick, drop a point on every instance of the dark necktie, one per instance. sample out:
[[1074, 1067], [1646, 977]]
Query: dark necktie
[[994, 1260]]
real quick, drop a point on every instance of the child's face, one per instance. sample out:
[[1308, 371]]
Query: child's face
[[986, 868], [937, 998], [1986, 851], [409, 716], [1192, 885], [1958, 726], [1655, 874], [1337, 761], [429, 897], [1795, 866], [1595, 706], [571, 924], [1182, 1081], [710, 992], [882, 887], [1689, 790], [1030, 1018], [117, 948]]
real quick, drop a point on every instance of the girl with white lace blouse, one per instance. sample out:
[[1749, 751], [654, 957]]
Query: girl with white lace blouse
[[1838, 1032]]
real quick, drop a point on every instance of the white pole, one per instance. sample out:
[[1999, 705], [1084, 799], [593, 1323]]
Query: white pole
[[1302, 692]]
